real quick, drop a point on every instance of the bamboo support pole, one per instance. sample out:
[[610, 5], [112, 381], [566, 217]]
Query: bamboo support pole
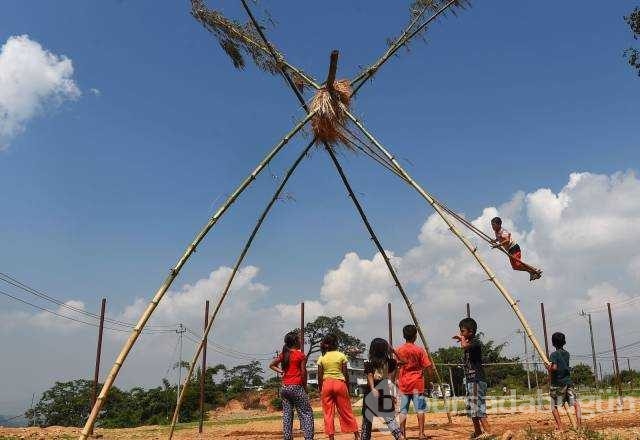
[[203, 371], [234, 272], [470, 247], [368, 73], [173, 273], [387, 261], [278, 58]]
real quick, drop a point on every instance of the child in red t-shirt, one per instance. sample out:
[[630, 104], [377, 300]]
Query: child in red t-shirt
[[413, 361], [293, 367]]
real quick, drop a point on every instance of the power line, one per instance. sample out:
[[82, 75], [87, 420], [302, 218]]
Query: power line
[[224, 347], [70, 318], [8, 279]]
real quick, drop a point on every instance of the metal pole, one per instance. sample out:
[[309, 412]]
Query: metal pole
[[544, 327], [204, 366], [615, 353], [468, 311], [390, 324], [96, 373], [302, 326], [593, 347]]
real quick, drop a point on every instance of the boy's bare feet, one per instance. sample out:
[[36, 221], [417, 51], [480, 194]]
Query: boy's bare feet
[[535, 275]]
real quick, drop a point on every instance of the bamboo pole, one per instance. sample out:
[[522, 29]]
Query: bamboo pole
[[401, 41], [235, 270], [173, 273], [203, 371], [277, 57], [387, 262], [470, 247]]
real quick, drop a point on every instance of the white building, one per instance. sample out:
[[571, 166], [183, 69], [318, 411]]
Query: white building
[[355, 368]]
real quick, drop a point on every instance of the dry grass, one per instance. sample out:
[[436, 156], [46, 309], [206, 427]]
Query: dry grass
[[330, 115]]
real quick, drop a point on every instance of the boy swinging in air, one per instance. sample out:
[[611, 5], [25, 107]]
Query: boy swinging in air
[[503, 239]]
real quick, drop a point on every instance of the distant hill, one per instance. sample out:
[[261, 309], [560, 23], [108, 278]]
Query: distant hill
[[12, 421]]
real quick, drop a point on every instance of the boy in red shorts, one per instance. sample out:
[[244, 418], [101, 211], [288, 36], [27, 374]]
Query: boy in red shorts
[[503, 239]]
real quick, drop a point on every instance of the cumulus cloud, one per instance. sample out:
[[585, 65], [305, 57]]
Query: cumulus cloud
[[32, 79], [585, 236]]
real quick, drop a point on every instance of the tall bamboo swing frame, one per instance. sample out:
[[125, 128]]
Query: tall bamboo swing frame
[[414, 28]]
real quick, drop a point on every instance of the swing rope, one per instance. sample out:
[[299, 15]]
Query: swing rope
[[373, 152]]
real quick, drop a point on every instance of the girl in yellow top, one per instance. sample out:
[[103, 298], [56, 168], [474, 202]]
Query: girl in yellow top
[[334, 393]]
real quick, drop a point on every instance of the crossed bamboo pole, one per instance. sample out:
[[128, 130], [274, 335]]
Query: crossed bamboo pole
[[387, 262], [173, 273], [232, 276], [470, 247]]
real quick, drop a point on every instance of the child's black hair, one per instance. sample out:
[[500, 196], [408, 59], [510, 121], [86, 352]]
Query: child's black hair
[[558, 340], [379, 353], [410, 332], [496, 220], [291, 340], [470, 324], [329, 342]]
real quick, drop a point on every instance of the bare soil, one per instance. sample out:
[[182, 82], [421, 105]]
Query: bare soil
[[236, 422]]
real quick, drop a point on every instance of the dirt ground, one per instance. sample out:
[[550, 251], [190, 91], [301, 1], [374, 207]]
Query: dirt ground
[[233, 422]]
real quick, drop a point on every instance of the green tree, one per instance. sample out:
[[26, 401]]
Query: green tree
[[323, 325], [64, 404], [241, 377], [581, 374], [632, 54]]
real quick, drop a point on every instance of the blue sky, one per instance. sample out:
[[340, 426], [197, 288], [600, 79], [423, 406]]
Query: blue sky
[[102, 194]]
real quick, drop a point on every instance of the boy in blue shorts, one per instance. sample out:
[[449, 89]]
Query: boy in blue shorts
[[475, 377], [561, 389]]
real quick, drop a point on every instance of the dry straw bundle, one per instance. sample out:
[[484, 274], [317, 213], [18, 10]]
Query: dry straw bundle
[[329, 107], [240, 40]]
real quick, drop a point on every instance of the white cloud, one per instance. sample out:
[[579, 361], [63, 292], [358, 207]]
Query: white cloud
[[586, 237], [95, 92], [32, 79]]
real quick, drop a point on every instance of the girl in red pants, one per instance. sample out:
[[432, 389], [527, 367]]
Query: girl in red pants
[[334, 393]]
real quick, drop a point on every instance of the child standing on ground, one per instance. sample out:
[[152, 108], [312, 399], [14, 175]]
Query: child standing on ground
[[413, 363], [561, 388], [475, 378], [334, 393], [292, 364], [380, 371], [503, 239]]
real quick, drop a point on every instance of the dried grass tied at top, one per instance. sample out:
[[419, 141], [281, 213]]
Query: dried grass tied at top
[[330, 116]]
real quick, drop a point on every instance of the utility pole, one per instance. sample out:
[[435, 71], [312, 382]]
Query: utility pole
[[180, 331], [390, 324], [593, 347], [600, 365], [204, 366], [544, 328], [468, 311], [526, 356], [615, 353], [96, 371]]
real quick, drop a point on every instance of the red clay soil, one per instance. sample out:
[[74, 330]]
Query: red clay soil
[[235, 422]]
